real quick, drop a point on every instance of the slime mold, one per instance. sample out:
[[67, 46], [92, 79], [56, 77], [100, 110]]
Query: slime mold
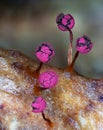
[[48, 79], [65, 22], [38, 105], [44, 52], [84, 44]]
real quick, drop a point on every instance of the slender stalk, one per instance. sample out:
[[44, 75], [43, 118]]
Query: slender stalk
[[70, 57], [71, 35], [72, 64], [37, 71], [48, 120], [36, 75], [39, 67]]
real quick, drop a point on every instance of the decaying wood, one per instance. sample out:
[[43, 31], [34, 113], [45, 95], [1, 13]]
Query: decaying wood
[[76, 103]]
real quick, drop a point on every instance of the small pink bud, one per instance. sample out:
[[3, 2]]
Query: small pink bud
[[38, 105], [48, 79], [65, 22], [44, 52], [84, 44]]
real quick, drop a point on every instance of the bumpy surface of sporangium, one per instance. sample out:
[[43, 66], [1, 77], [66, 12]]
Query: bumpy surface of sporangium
[[84, 44], [65, 21], [48, 79], [44, 52], [38, 105]]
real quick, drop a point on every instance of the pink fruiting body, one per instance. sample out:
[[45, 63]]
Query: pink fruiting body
[[48, 79], [44, 52], [65, 22], [84, 44], [38, 105]]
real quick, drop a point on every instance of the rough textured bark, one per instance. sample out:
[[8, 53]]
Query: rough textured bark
[[76, 103]]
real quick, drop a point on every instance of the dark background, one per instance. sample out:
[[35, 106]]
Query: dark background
[[24, 24]]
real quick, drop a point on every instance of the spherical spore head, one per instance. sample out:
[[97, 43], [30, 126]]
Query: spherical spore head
[[44, 52], [38, 105], [65, 21], [48, 79], [84, 45]]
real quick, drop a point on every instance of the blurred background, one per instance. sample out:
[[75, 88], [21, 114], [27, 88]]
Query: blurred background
[[25, 24]]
